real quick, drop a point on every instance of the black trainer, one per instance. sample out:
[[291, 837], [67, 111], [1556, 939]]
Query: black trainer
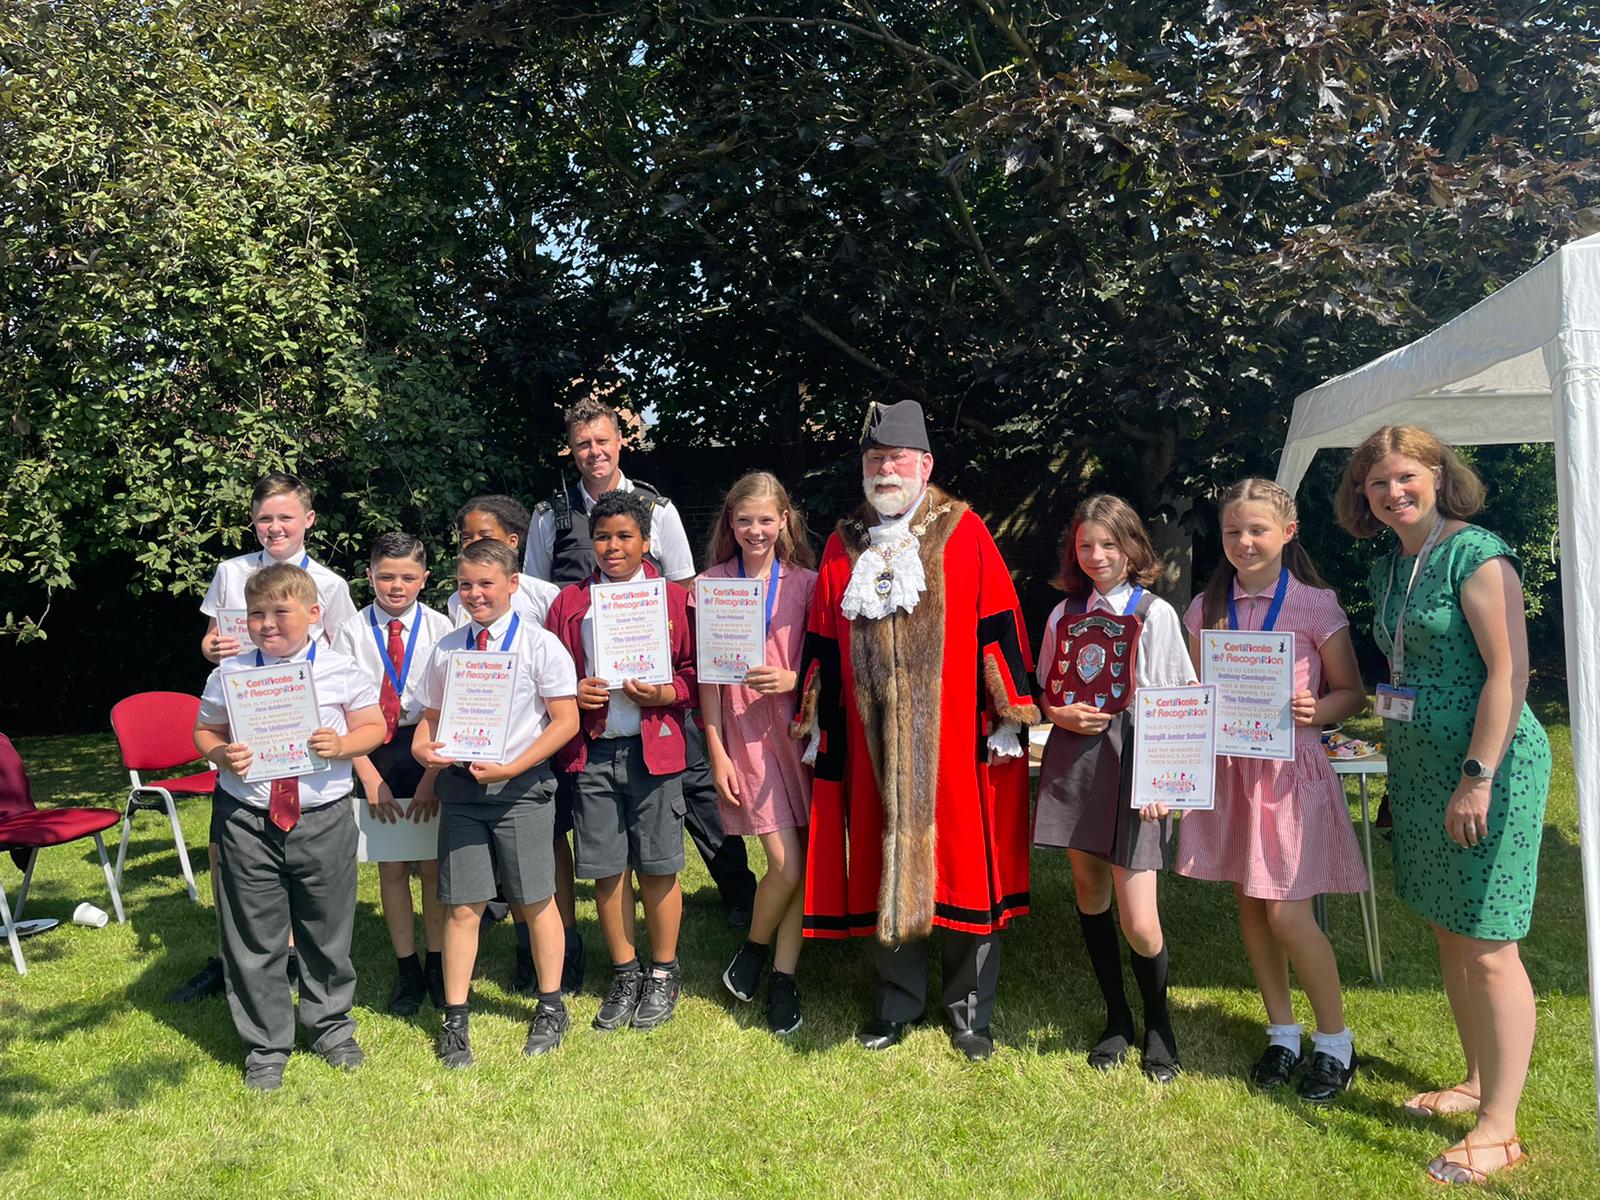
[[546, 1029], [406, 998], [1275, 1067], [783, 1004], [263, 1077], [743, 976], [1326, 1077], [574, 960], [455, 1048], [207, 981], [433, 972], [346, 1056], [617, 1009], [659, 998]]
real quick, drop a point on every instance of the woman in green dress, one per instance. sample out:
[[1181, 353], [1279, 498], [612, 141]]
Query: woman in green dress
[[1469, 765]]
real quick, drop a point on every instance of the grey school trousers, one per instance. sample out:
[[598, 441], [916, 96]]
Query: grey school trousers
[[971, 975], [271, 881]]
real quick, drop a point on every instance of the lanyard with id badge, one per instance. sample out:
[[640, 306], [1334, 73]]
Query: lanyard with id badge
[[1395, 701]]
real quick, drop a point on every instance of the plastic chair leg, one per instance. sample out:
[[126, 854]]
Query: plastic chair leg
[[127, 832], [11, 933], [183, 850], [105, 865]]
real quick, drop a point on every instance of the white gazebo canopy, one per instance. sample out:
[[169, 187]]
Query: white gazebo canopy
[[1522, 365]]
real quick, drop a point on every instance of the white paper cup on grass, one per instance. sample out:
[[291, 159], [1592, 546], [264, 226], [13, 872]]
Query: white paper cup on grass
[[88, 914]]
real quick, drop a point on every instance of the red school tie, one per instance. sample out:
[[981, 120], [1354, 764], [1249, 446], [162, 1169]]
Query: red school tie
[[283, 809], [388, 698], [483, 639]]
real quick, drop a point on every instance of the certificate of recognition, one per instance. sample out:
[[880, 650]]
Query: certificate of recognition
[[630, 632], [273, 710], [730, 628], [1173, 745], [476, 713], [234, 623], [1254, 677]]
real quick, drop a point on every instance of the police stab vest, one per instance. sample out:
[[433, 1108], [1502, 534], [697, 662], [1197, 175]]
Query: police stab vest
[[572, 556]]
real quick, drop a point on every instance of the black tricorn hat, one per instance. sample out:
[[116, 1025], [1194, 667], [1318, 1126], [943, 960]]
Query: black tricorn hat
[[895, 425]]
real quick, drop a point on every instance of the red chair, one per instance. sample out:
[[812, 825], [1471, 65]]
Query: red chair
[[24, 829], [155, 732]]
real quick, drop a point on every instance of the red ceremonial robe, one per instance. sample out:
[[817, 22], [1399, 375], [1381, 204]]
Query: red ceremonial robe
[[910, 826]]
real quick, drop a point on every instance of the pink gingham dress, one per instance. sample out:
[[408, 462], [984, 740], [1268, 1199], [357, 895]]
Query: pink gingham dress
[[1280, 830]]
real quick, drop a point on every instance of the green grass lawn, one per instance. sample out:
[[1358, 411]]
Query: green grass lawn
[[105, 1090]]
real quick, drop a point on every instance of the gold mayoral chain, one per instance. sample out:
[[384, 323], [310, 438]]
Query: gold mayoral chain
[[883, 582]]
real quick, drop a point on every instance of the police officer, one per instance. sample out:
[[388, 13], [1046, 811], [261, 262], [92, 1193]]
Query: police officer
[[558, 549]]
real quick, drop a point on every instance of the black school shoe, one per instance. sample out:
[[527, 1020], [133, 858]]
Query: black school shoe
[[1326, 1077], [743, 976], [550, 1023], [263, 1077], [617, 1009], [1112, 1050], [405, 1000], [1160, 1060], [783, 1003], [659, 999], [346, 1056], [207, 981], [454, 1047], [1275, 1067]]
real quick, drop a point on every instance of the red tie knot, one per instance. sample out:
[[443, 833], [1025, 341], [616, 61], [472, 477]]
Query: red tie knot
[[483, 639], [395, 627]]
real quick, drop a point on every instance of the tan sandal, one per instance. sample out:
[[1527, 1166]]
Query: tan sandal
[[1430, 1104], [1448, 1170]]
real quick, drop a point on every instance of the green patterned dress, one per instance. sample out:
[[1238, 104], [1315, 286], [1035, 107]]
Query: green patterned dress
[[1485, 891]]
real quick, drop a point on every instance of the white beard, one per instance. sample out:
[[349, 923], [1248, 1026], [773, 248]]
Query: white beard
[[895, 501]]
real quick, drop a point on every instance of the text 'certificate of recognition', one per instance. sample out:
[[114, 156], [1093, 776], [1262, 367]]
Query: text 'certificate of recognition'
[[630, 632], [234, 623], [476, 714], [1254, 678], [273, 710], [1173, 741], [730, 628]]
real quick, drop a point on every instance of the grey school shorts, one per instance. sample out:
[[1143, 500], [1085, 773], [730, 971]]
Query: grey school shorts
[[624, 816], [506, 837]]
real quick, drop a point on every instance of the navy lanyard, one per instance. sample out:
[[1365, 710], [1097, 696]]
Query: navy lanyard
[[505, 642], [311, 656], [1273, 609], [399, 680], [261, 560], [772, 585]]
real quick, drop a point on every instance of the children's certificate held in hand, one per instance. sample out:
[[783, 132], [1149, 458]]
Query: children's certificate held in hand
[[234, 623], [476, 713], [273, 710], [630, 632], [1173, 743], [1254, 677], [730, 628]]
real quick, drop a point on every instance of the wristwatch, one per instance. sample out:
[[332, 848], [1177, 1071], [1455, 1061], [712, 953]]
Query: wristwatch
[[1474, 769]]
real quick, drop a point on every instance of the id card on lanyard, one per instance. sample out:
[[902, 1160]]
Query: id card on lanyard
[[1394, 700]]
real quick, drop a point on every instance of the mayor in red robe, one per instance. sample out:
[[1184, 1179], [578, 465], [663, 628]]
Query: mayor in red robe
[[916, 697]]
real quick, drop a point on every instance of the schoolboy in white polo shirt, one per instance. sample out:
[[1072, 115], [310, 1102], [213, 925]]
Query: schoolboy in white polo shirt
[[281, 512], [497, 820], [286, 849], [392, 639]]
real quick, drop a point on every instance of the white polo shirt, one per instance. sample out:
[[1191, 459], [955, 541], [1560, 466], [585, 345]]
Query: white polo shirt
[[531, 600], [227, 588], [544, 668], [356, 639], [341, 687], [669, 542]]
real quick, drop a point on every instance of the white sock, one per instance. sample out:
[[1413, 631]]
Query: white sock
[[1287, 1036], [1341, 1045]]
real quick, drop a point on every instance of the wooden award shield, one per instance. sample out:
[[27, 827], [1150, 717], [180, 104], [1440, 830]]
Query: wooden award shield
[[1094, 660]]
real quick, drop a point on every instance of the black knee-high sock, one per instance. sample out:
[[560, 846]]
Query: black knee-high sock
[[1100, 936], [1151, 974]]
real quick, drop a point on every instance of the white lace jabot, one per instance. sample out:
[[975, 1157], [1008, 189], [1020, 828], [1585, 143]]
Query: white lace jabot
[[888, 574]]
